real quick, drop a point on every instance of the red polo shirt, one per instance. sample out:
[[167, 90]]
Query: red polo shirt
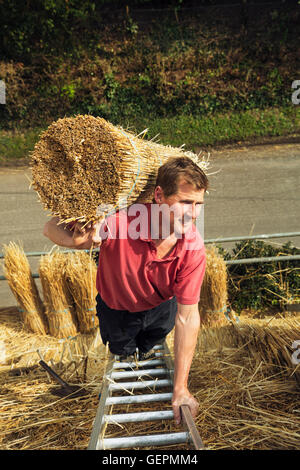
[[131, 277]]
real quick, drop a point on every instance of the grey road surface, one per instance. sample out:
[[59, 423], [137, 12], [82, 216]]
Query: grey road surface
[[254, 190]]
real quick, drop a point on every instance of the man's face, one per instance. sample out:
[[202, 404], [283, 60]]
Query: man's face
[[185, 205]]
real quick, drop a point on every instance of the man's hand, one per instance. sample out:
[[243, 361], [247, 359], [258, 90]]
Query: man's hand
[[86, 236], [183, 397], [79, 236]]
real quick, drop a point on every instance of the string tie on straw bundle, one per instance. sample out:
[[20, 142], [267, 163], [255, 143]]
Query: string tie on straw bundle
[[28, 312], [65, 311], [226, 311], [67, 339], [93, 316]]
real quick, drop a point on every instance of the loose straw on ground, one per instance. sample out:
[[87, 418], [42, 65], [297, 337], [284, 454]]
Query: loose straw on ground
[[83, 163], [19, 277], [244, 402], [59, 307], [268, 342], [22, 347]]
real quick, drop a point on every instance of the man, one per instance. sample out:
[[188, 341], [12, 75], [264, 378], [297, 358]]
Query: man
[[149, 283]]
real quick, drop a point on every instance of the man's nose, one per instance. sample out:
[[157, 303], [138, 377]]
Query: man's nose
[[191, 211], [196, 210]]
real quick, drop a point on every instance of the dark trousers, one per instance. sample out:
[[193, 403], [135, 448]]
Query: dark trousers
[[126, 331]]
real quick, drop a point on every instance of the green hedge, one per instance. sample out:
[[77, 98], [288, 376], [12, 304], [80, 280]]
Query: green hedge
[[61, 58], [29, 26], [261, 286]]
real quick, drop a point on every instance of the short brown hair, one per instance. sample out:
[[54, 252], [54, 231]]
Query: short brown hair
[[170, 172]]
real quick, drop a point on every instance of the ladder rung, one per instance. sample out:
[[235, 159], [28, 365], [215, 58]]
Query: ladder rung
[[157, 354], [141, 416], [142, 441], [155, 348], [139, 385], [138, 373], [124, 365], [139, 398]]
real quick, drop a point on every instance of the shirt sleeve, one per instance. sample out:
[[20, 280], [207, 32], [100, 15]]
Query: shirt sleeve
[[190, 277]]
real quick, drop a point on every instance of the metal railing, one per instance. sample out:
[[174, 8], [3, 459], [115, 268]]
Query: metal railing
[[41, 253], [253, 237], [211, 240], [267, 259]]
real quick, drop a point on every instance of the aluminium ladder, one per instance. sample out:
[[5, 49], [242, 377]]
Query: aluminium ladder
[[160, 372]]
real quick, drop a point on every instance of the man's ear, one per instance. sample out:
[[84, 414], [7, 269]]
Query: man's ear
[[158, 194]]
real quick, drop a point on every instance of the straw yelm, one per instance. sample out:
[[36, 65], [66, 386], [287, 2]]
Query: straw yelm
[[80, 277], [19, 277], [213, 299], [59, 307], [84, 162]]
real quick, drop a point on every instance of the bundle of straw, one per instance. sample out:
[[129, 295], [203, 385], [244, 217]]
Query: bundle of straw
[[18, 274], [270, 342], [59, 308], [80, 278], [213, 301], [84, 162]]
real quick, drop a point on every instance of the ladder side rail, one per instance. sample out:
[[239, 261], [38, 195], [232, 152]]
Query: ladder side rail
[[105, 393]]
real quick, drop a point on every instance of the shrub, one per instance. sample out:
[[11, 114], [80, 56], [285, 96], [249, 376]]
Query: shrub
[[262, 285]]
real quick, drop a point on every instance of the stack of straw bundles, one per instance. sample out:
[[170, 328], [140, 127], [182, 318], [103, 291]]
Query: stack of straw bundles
[[213, 300], [270, 341], [59, 307], [18, 274], [272, 344], [83, 162], [80, 277]]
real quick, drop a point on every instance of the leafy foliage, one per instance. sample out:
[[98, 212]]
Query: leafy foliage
[[64, 57], [262, 285]]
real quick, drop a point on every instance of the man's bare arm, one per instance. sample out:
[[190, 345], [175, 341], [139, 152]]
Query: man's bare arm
[[80, 238], [187, 326], [58, 234]]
